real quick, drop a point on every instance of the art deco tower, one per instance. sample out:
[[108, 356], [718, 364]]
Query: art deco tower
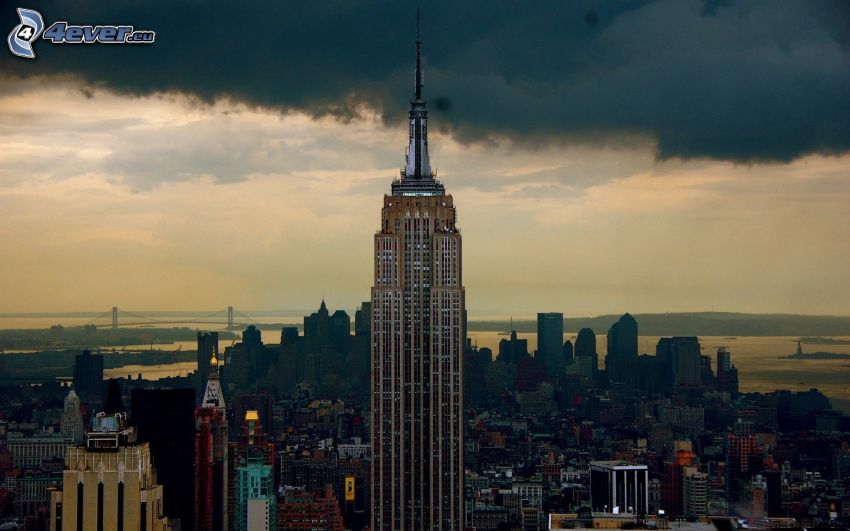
[[417, 346]]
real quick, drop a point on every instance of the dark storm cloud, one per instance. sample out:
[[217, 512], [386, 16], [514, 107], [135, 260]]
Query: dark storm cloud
[[748, 81]]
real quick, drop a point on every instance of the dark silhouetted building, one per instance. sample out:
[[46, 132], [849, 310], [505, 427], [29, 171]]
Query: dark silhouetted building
[[743, 460], [727, 373], [797, 411], [681, 359], [113, 402], [622, 350], [164, 419], [512, 350], [88, 375], [568, 352], [585, 349], [207, 348], [361, 348], [550, 343]]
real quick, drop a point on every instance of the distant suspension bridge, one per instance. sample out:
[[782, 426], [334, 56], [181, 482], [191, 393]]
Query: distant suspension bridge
[[122, 318]]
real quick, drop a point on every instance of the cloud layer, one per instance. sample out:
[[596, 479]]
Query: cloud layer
[[149, 203], [736, 81]]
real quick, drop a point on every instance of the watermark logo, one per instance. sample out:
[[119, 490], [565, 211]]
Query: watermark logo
[[23, 35]]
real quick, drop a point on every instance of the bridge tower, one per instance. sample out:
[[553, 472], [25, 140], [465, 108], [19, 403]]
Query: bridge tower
[[230, 317], [115, 317]]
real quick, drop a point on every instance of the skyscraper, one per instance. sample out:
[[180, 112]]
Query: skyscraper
[[619, 487], [586, 348], [727, 374], [211, 457], [164, 418], [254, 501], [88, 376], [550, 343], [417, 347], [72, 419], [108, 483], [680, 357], [622, 353]]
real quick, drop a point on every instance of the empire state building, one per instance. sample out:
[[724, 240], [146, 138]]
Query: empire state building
[[417, 347]]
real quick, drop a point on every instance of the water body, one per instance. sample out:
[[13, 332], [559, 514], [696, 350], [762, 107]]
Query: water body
[[8, 322], [152, 372]]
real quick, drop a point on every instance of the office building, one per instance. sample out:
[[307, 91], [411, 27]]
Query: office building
[[681, 359], [418, 311], [757, 498], [88, 376], [254, 496], [31, 452], [165, 420], [695, 493], [568, 352], [743, 460], [586, 349], [622, 353], [513, 350], [727, 373], [724, 360], [211, 466], [252, 461], [550, 343], [72, 419], [108, 484], [618, 487], [302, 510]]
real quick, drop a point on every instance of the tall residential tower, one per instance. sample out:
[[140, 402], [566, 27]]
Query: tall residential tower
[[417, 347]]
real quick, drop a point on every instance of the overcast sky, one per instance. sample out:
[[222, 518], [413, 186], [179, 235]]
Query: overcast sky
[[604, 157]]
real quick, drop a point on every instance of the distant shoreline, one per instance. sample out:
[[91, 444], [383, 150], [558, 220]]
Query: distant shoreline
[[824, 341], [817, 356]]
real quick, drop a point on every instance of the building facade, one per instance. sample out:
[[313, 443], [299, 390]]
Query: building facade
[[256, 503], [164, 418], [109, 483], [550, 343], [618, 487], [301, 510], [680, 357], [622, 354], [418, 311], [211, 483], [72, 419], [252, 489], [88, 376]]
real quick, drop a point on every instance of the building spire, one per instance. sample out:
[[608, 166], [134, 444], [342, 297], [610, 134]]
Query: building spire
[[212, 393], [418, 166], [418, 92]]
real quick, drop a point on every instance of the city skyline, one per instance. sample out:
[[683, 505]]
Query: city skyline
[[145, 196], [664, 183]]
